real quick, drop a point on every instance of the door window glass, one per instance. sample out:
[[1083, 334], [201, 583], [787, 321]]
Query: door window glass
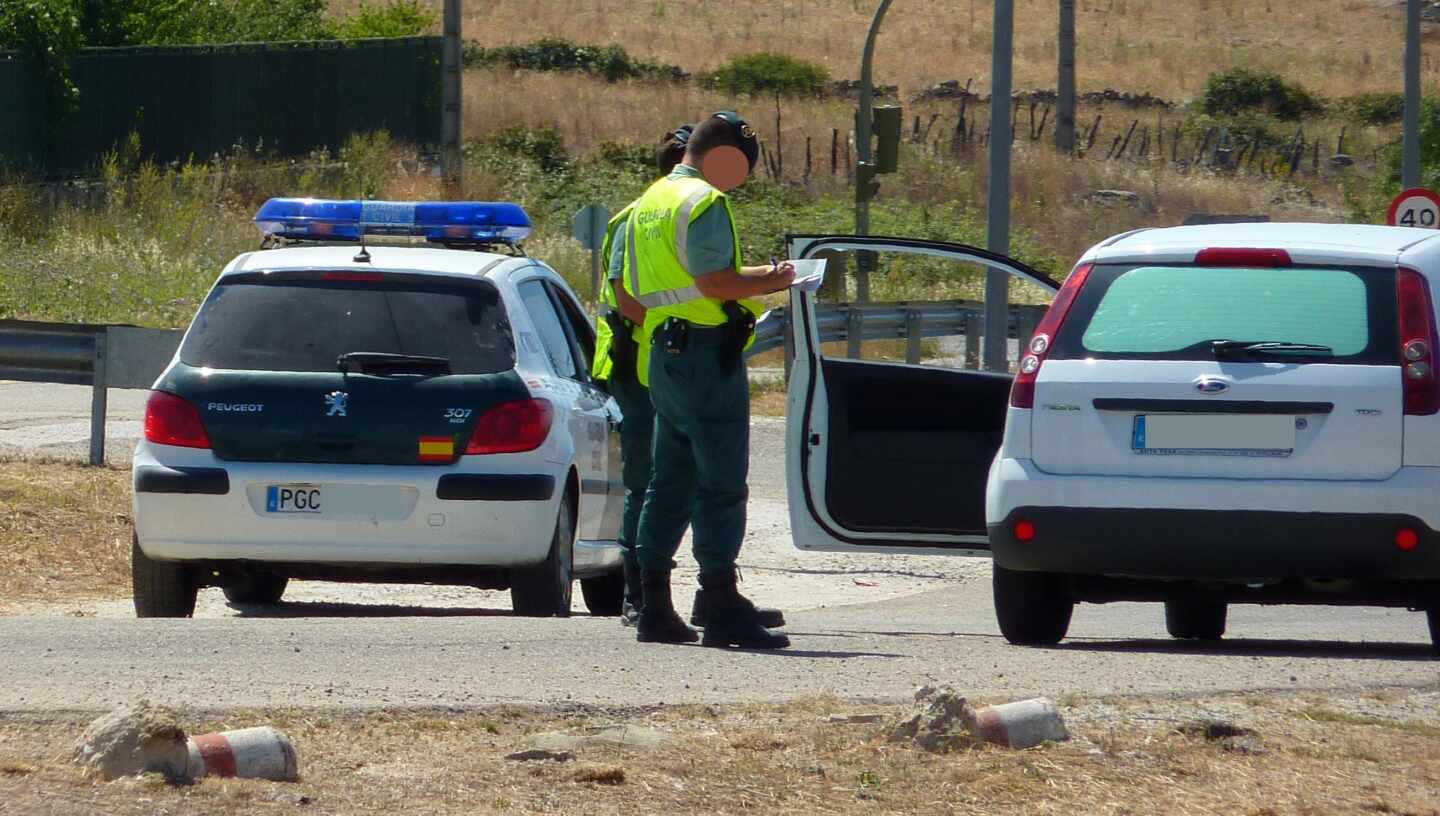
[[547, 324]]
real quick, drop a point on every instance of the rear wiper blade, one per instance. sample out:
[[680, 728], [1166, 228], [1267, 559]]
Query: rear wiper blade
[[381, 362], [1225, 348]]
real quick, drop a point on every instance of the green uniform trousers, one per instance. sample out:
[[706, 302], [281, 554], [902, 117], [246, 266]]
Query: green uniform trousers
[[637, 431], [701, 456]]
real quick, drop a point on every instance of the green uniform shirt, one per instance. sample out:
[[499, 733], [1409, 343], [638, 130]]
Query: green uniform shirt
[[712, 238], [615, 269]]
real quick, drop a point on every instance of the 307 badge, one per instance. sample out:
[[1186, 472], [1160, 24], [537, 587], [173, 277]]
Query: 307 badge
[[458, 416]]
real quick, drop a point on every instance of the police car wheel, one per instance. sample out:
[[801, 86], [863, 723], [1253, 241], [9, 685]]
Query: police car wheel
[[1195, 620], [604, 594], [544, 590], [161, 589], [256, 588]]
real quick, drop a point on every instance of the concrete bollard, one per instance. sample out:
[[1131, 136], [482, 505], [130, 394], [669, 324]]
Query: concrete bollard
[[1019, 725], [250, 753]]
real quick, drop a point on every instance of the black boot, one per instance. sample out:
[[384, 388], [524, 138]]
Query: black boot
[[766, 616], [634, 597], [731, 618], [658, 622]]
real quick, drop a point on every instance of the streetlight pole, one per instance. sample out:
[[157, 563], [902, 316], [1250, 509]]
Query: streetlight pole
[[1410, 166], [862, 143], [997, 283]]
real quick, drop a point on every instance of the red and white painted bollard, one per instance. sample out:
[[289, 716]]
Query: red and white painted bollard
[[1019, 725], [250, 753]]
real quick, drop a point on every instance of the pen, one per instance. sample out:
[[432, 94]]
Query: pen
[[774, 265]]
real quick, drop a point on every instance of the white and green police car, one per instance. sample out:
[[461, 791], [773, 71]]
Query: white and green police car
[[354, 411]]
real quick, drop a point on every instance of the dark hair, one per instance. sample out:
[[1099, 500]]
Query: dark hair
[[722, 129], [672, 148]]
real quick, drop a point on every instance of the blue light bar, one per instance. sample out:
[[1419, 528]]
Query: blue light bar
[[318, 219]]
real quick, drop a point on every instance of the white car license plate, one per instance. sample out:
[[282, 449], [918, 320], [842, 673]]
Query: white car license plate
[[296, 498], [1214, 434]]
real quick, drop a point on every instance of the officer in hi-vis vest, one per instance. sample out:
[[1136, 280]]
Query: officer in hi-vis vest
[[616, 353], [683, 265]]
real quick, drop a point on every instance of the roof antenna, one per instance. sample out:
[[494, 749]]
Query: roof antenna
[[363, 256]]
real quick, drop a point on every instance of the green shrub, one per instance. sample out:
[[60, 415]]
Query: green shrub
[[556, 54], [1238, 90], [771, 74], [397, 18], [1373, 108], [47, 32], [545, 146], [189, 22]]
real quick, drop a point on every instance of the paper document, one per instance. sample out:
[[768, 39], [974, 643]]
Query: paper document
[[809, 274]]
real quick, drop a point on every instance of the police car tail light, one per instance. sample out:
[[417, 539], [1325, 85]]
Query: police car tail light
[[1032, 356], [1416, 313], [512, 427], [445, 222], [171, 420]]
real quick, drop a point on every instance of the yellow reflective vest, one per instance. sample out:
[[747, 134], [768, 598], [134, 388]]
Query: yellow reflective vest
[[600, 367], [657, 261]]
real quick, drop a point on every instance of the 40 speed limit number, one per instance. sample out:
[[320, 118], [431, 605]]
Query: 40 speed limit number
[[1416, 207]]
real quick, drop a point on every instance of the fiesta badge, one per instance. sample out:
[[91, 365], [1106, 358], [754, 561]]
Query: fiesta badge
[[1208, 385]]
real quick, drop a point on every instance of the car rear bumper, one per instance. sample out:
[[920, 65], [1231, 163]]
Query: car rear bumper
[[1215, 545], [1229, 529], [194, 507]]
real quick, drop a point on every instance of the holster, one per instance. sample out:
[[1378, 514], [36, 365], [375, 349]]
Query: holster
[[623, 348], [739, 325]]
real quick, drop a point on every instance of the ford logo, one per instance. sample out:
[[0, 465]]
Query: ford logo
[[1209, 386]]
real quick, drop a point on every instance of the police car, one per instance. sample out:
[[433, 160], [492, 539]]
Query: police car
[[346, 410], [1205, 416]]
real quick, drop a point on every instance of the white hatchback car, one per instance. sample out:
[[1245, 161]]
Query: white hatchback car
[[1204, 416], [381, 413]]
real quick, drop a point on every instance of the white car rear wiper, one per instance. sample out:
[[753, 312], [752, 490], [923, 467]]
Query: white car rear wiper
[[1231, 348]]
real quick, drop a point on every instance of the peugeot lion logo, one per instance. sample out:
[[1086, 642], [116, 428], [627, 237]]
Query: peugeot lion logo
[[337, 402], [1205, 385]]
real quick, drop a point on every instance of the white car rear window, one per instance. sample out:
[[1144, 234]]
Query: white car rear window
[[1159, 310]]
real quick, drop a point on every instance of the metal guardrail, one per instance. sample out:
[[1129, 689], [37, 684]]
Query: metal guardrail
[[912, 321], [102, 357], [105, 357]]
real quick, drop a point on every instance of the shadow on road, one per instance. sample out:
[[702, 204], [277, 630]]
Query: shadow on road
[[1256, 647], [333, 609]]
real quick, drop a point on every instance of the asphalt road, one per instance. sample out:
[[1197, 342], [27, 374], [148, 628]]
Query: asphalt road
[[359, 656], [906, 623]]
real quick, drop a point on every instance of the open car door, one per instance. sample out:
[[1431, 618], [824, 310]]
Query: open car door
[[889, 457]]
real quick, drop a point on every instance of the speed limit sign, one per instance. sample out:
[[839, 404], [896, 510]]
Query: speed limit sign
[[1416, 207]]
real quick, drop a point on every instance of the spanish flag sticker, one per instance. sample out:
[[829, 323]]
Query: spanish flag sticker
[[437, 448]]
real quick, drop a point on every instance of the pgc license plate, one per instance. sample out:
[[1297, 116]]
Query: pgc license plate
[[299, 498], [1259, 435]]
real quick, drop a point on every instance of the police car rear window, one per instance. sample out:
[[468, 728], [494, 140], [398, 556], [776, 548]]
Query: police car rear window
[[305, 325]]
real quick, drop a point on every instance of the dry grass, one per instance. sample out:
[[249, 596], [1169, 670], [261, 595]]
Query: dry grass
[[773, 759], [1051, 192], [1166, 47], [64, 531]]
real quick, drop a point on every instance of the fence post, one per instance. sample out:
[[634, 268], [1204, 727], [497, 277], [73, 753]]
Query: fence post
[[97, 403], [855, 324], [913, 336], [973, 330]]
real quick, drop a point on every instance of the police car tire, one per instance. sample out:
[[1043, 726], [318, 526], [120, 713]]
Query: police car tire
[[544, 590], [257, 589], [1032, 608], [1195, 619], [161, 589], [604, 594]]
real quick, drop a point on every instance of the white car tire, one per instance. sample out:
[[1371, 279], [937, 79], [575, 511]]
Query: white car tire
[[1032, 608], [1195, 620], [544, 590], [260, 589], [604, 594]]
